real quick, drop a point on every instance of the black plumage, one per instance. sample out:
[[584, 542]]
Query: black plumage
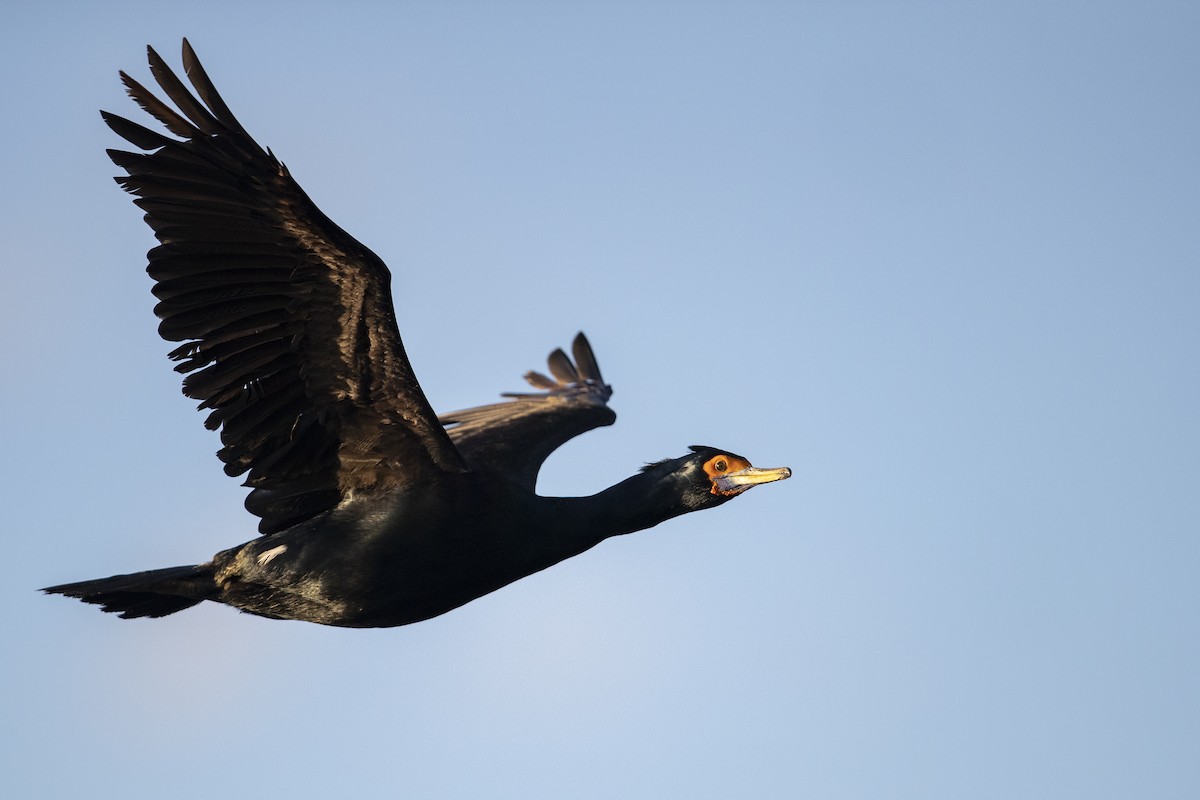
[[375, 511]]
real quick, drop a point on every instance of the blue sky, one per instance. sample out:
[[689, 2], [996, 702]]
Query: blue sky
[[940, 259]]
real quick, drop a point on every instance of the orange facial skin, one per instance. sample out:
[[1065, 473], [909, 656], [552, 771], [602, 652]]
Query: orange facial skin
[[724, 465]]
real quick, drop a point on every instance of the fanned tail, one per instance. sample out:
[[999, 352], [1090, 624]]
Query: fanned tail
[[153, 593]]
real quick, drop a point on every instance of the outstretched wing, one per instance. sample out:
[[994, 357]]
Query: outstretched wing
[[516, 437], [286, 320]]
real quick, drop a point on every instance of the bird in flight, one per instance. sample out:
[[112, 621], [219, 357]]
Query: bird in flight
[[373, 510]]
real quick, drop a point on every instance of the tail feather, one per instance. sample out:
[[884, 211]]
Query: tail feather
[[153, 593]]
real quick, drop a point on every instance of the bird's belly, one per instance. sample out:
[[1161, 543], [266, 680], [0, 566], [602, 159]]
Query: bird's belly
[[378, 580]]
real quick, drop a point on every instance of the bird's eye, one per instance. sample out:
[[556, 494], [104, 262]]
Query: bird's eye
[[720, 466]]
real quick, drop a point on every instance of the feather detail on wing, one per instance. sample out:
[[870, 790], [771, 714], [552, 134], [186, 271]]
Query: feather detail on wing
[[516, 437], [288, 331]]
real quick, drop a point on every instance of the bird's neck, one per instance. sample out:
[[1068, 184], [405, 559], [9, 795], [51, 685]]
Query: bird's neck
[[634, 504]]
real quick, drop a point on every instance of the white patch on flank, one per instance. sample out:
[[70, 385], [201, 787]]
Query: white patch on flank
[[267, 555]]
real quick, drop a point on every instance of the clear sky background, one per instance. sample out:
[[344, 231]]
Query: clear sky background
[[942, 259]]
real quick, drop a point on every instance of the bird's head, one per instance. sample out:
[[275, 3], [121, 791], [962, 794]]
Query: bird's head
[[707, 476]]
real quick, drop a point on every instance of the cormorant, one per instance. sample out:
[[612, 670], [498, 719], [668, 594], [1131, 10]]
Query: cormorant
[[374, 511]]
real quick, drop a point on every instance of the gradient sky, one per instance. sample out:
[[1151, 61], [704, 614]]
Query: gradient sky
[[941, 259]]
